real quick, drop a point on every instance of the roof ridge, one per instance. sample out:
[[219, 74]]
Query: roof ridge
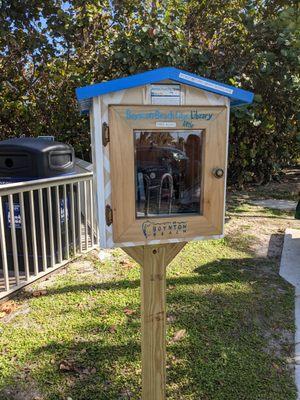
[[237, 96]]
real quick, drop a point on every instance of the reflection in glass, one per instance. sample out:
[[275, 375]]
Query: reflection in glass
[[168, 172]]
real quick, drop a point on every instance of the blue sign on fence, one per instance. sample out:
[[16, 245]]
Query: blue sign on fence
[[62, 210], [17, 215]]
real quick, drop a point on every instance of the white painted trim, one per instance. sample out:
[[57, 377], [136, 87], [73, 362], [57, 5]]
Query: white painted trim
[[226, 161], [205, 83], [98, 162]]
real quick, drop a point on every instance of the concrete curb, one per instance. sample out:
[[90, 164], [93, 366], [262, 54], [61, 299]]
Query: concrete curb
[[290, 271]]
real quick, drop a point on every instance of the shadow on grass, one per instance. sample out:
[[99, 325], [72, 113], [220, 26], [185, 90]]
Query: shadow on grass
[[220, 271], [227, 310]]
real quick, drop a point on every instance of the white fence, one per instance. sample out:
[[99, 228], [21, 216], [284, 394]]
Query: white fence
[[43, 224]]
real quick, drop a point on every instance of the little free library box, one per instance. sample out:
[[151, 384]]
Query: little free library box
[[159, 143]]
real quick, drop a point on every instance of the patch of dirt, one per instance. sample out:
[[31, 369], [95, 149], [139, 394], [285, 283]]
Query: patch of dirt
[[25, 309], [18, 392], [10, 309], [43, 283], [266, 231], [267, 234], [85, 268], [278, 342]]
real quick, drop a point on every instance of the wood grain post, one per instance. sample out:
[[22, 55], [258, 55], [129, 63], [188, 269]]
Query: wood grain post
[[153, 290], [154, 260]]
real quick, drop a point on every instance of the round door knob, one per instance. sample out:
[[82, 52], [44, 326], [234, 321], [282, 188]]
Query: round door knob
[[218, 172]]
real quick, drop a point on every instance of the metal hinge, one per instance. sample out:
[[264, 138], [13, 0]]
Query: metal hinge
[[108, 215], [105, 134]]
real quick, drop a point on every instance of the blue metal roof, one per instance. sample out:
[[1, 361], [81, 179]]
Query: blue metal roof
[[237, 96]]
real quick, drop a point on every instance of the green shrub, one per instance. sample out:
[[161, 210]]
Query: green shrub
[[48, 50]]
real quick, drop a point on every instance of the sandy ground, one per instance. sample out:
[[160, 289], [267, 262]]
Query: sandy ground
[[265, 225]]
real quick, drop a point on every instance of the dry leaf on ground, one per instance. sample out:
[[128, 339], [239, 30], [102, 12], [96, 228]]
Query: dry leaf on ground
[[7, 308], [128, 311], [171, 318], [179, 335], [112, 329], [66, 366], [171, 287], [38, 293], [127, 263]]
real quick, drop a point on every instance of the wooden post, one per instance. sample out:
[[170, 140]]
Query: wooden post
[[154, 260], [153, 314]]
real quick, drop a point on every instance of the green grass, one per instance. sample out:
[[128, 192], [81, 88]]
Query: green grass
[[235, 309]]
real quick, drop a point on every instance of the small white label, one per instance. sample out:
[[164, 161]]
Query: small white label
[[205, 83], [165, 124], [166, 101], [165, 94]]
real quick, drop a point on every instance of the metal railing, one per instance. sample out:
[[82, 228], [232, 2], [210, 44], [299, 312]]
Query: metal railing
[[43, 224]]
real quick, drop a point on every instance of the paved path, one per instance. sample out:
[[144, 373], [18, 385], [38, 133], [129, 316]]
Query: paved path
[[290, 271], [284, 205]]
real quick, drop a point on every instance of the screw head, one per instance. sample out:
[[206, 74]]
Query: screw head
[[218, 172]]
